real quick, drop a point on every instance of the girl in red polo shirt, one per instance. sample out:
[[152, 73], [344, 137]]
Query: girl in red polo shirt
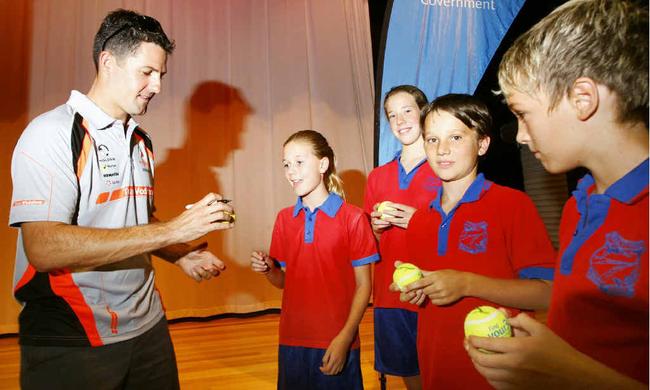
[[320, 253], [407, 183], [477, 243]]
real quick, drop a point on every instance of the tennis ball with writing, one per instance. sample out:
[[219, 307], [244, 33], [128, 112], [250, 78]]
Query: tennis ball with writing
[[487, 321], [405, 274], [383, 206]]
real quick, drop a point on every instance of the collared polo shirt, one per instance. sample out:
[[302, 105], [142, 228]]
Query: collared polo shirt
[[416, 188], [600, 295], [77, 165], [319, 250], [493, 231]]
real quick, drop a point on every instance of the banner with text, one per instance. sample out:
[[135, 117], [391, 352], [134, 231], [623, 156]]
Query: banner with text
[[440, 46]]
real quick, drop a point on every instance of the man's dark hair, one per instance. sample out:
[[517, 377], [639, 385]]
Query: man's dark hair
[[122, 31]]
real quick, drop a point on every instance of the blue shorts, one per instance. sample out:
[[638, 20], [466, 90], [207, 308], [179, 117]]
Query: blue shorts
[[299, 368], [396, 342]]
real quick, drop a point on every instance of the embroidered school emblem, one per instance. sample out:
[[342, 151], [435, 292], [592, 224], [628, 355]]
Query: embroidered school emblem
[[474, 237], [615, 266]]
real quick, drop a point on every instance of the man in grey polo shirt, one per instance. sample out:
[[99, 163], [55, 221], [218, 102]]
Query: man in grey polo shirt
[[83, 202]]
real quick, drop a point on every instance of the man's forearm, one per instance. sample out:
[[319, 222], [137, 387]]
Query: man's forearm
[[53, 245]]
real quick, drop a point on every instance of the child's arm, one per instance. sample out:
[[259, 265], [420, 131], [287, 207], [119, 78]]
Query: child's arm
[[334, 358], [264, 264], [447, 286], [538, 358]]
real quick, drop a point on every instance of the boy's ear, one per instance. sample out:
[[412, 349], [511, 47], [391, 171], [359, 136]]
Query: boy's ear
[[584, 97], [483, 145], [323, 165]]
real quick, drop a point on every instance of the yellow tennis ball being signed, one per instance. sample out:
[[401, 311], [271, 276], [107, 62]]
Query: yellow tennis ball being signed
[[230, 217], [487, 321], [405, 274], [383, 206]]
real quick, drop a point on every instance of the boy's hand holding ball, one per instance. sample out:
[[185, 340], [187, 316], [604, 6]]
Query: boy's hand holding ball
[[487, 321], [405, 274]]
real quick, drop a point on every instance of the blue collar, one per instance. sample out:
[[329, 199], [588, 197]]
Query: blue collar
[[330, 207], [624, 190], [404, 179], [401, 167], [472, 194]]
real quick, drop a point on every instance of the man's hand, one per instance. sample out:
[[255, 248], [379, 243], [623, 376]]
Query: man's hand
[[200, 264], [203, 217]]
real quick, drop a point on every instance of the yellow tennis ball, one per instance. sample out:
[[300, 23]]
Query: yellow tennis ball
[[383, 206], [231, 217], [405, 274], [487, 321]]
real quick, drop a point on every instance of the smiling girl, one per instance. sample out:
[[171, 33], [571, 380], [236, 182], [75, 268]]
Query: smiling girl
[[320, 254]]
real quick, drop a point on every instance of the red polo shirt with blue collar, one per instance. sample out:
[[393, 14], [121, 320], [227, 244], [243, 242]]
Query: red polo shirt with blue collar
[[494, 231], [319, 250], [600, 295], [390, 182]]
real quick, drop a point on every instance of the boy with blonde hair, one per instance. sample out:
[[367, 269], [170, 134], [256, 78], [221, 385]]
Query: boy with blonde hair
[[578, 84]]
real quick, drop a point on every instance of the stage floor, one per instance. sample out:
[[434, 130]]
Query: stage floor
[[226, 353]]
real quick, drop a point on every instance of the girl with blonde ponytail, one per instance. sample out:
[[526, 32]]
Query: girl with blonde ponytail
[[321, 149], [321, 250]]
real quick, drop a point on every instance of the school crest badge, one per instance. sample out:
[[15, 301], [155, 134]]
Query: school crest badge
[[474, 237], [615, 266]]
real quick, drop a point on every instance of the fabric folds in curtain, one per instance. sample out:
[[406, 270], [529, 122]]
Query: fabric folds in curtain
[[244, 76]]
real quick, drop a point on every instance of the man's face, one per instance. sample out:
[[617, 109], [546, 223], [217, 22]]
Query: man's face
[[137, 78], [550, 136]]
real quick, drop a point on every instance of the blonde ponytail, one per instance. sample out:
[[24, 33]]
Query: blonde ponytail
[[334, 182]]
